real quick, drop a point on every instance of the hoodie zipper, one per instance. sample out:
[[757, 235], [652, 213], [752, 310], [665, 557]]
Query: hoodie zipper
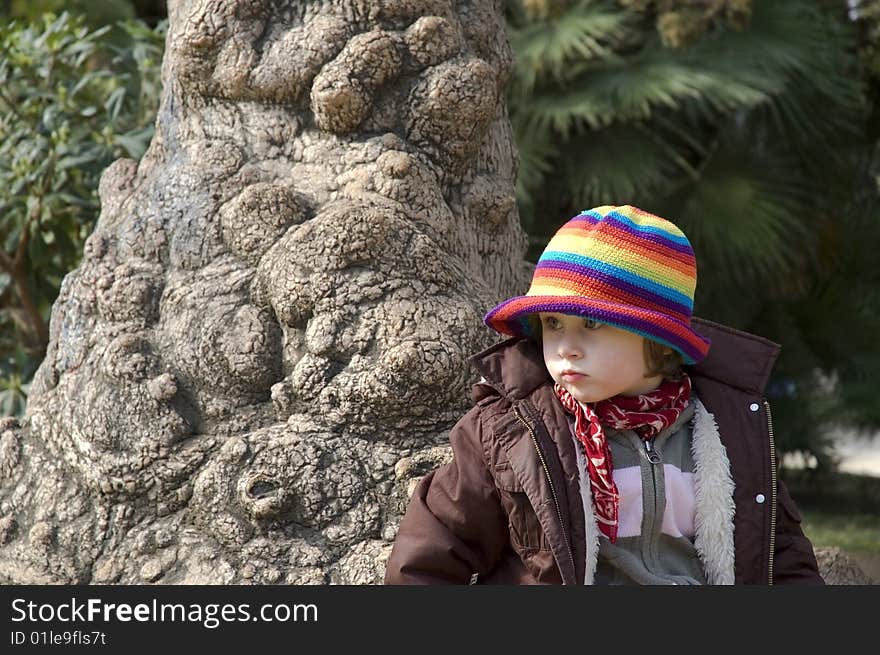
[[652, 534], [549, 480], [652, 455], [772, 492]]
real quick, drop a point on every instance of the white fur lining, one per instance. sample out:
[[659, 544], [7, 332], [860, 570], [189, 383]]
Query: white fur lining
[[715, 508]]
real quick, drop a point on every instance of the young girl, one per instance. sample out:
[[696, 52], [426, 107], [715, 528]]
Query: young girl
[[608, 443]]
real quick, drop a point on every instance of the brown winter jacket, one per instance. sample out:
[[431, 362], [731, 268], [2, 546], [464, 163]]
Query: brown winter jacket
[[508, 509]]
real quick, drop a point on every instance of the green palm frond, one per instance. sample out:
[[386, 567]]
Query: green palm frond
[[801, 54], [537, 151], [619, 165], [790, 57], [743, 227], [669, 81], [634, 89], [586, 31], [568, 112], [746, 213]]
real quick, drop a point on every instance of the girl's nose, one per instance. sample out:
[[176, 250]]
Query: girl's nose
[[568, 349]]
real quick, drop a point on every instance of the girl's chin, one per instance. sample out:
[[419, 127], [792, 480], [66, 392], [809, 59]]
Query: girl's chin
[[581, 397]]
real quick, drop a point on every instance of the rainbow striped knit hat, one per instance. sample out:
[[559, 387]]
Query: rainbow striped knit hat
[[618, 265]]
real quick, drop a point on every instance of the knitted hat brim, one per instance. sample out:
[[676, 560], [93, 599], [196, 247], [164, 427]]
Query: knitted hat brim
[[509, 317]]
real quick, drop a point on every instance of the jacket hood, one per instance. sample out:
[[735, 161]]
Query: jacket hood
[[515, 366]]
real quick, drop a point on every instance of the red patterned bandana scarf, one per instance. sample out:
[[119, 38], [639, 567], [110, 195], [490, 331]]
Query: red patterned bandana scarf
[[647, 414]]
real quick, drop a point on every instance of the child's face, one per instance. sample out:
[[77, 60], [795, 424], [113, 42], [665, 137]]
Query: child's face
[[611, 361]]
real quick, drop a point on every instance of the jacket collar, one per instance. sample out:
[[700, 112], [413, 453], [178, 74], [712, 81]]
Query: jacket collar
[[515, 367], [736, 358]]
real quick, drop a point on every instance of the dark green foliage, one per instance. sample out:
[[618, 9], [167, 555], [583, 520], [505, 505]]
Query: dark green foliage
[[70, 103], [95, 14], [835, 491], [753, 136]]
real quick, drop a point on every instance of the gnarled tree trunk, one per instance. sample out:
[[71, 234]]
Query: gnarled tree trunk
[[268, 331]]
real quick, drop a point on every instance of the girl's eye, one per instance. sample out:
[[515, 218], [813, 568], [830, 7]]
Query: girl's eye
[[592, 323]]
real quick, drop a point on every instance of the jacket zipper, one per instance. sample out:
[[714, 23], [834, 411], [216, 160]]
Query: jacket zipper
[[654, 459], [652, 455], [772, 492], [549, 480]]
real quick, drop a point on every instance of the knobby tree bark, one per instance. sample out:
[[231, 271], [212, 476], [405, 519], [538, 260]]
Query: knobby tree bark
[[266, 341]]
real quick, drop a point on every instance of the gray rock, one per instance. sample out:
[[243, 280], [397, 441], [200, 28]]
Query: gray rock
[[838, 568]]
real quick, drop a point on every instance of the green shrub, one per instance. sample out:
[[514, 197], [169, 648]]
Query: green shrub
[[70, 103], [828, 491]]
